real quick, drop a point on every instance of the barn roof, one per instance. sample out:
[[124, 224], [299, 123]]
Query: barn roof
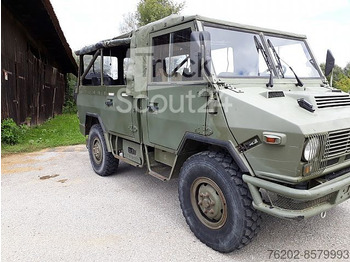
[[39, 18]]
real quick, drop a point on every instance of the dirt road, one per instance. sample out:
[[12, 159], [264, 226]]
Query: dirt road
[[55, 208]]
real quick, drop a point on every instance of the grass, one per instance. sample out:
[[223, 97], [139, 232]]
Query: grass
[[63, 130]]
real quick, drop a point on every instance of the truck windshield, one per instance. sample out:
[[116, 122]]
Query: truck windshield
[[234, 54], [293, 53]]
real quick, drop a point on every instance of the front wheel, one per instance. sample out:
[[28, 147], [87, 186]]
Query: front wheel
[[216, 202], [102, 161]]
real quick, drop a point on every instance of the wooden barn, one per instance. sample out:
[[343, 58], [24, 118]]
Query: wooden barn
[[35, 61]]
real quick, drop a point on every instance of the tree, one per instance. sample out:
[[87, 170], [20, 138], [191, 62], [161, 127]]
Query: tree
[[152, 10], [344, 84], [337, 72], [341, 77], [149, 11], [347, 70], [129, 23]]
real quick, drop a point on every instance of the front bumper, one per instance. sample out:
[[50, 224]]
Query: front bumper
[[290, 203]]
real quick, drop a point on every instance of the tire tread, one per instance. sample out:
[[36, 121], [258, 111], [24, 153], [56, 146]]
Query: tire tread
[[252, 216], [111, 163]]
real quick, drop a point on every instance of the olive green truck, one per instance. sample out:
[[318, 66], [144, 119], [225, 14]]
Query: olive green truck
[[242, 116]]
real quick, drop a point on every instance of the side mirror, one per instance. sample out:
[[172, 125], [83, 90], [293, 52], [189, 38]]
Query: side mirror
[[330, 61], [200, 52], [195, 42]]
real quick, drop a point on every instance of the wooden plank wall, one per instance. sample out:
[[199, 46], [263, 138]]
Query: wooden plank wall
[[31, 87]]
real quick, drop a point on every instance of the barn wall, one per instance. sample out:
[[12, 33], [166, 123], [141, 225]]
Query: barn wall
[[31, 84]]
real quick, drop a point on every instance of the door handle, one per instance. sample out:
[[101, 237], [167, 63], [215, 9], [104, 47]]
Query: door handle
[[109, 102], [153, 107]]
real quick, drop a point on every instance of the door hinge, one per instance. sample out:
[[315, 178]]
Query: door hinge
[[205, 131]]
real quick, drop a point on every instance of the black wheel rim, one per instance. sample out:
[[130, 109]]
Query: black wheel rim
[[209, 203]]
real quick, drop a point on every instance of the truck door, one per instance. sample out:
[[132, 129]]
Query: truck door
[[176, 95], [117, 113], [104, 91]]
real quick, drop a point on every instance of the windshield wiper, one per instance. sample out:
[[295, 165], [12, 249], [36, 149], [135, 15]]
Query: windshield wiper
[[279, 65], [277, 57], [301, 84], [259, 47]]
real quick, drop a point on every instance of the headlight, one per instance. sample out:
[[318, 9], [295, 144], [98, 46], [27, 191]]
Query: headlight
[[311, 149]]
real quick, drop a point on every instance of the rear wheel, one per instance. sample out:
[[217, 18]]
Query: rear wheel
[[216, 202], [102, 161]]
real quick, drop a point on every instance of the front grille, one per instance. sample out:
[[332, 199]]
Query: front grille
[[332, 101], [338, 144], [337, 173]]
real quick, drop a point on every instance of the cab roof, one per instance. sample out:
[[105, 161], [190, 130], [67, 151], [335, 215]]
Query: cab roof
[[173, 20], [170, 21]]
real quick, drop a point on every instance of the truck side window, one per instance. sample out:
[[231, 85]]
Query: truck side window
[[160, 52], [110, 70], [171, 57], [93, 77]]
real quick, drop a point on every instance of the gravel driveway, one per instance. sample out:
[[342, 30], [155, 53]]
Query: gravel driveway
[[55, 208]]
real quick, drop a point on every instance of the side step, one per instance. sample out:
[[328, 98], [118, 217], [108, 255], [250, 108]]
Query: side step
[[160, 171], [157, 169]]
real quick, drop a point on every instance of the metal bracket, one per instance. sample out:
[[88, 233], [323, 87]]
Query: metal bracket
[[234, 89], [133, 128], [203, 130]]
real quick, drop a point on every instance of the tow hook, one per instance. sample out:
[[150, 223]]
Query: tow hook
[[323, 214]]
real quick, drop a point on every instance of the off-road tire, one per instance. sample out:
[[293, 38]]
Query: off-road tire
[[237, 222], [102, 161]]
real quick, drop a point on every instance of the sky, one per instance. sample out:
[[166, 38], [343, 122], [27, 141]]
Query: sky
[[326, 23]]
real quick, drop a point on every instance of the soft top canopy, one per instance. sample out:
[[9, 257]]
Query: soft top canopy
[[103, 44]]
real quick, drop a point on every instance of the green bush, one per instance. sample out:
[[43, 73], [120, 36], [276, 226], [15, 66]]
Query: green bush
[[69, 107], [10, 132]]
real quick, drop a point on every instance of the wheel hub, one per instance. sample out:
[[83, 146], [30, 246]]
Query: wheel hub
[[97, 151], [208, 202]]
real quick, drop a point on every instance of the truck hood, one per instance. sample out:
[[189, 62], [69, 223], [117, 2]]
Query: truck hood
[[279, 110]]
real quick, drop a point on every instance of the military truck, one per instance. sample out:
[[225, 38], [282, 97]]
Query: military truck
[[242, 115]]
